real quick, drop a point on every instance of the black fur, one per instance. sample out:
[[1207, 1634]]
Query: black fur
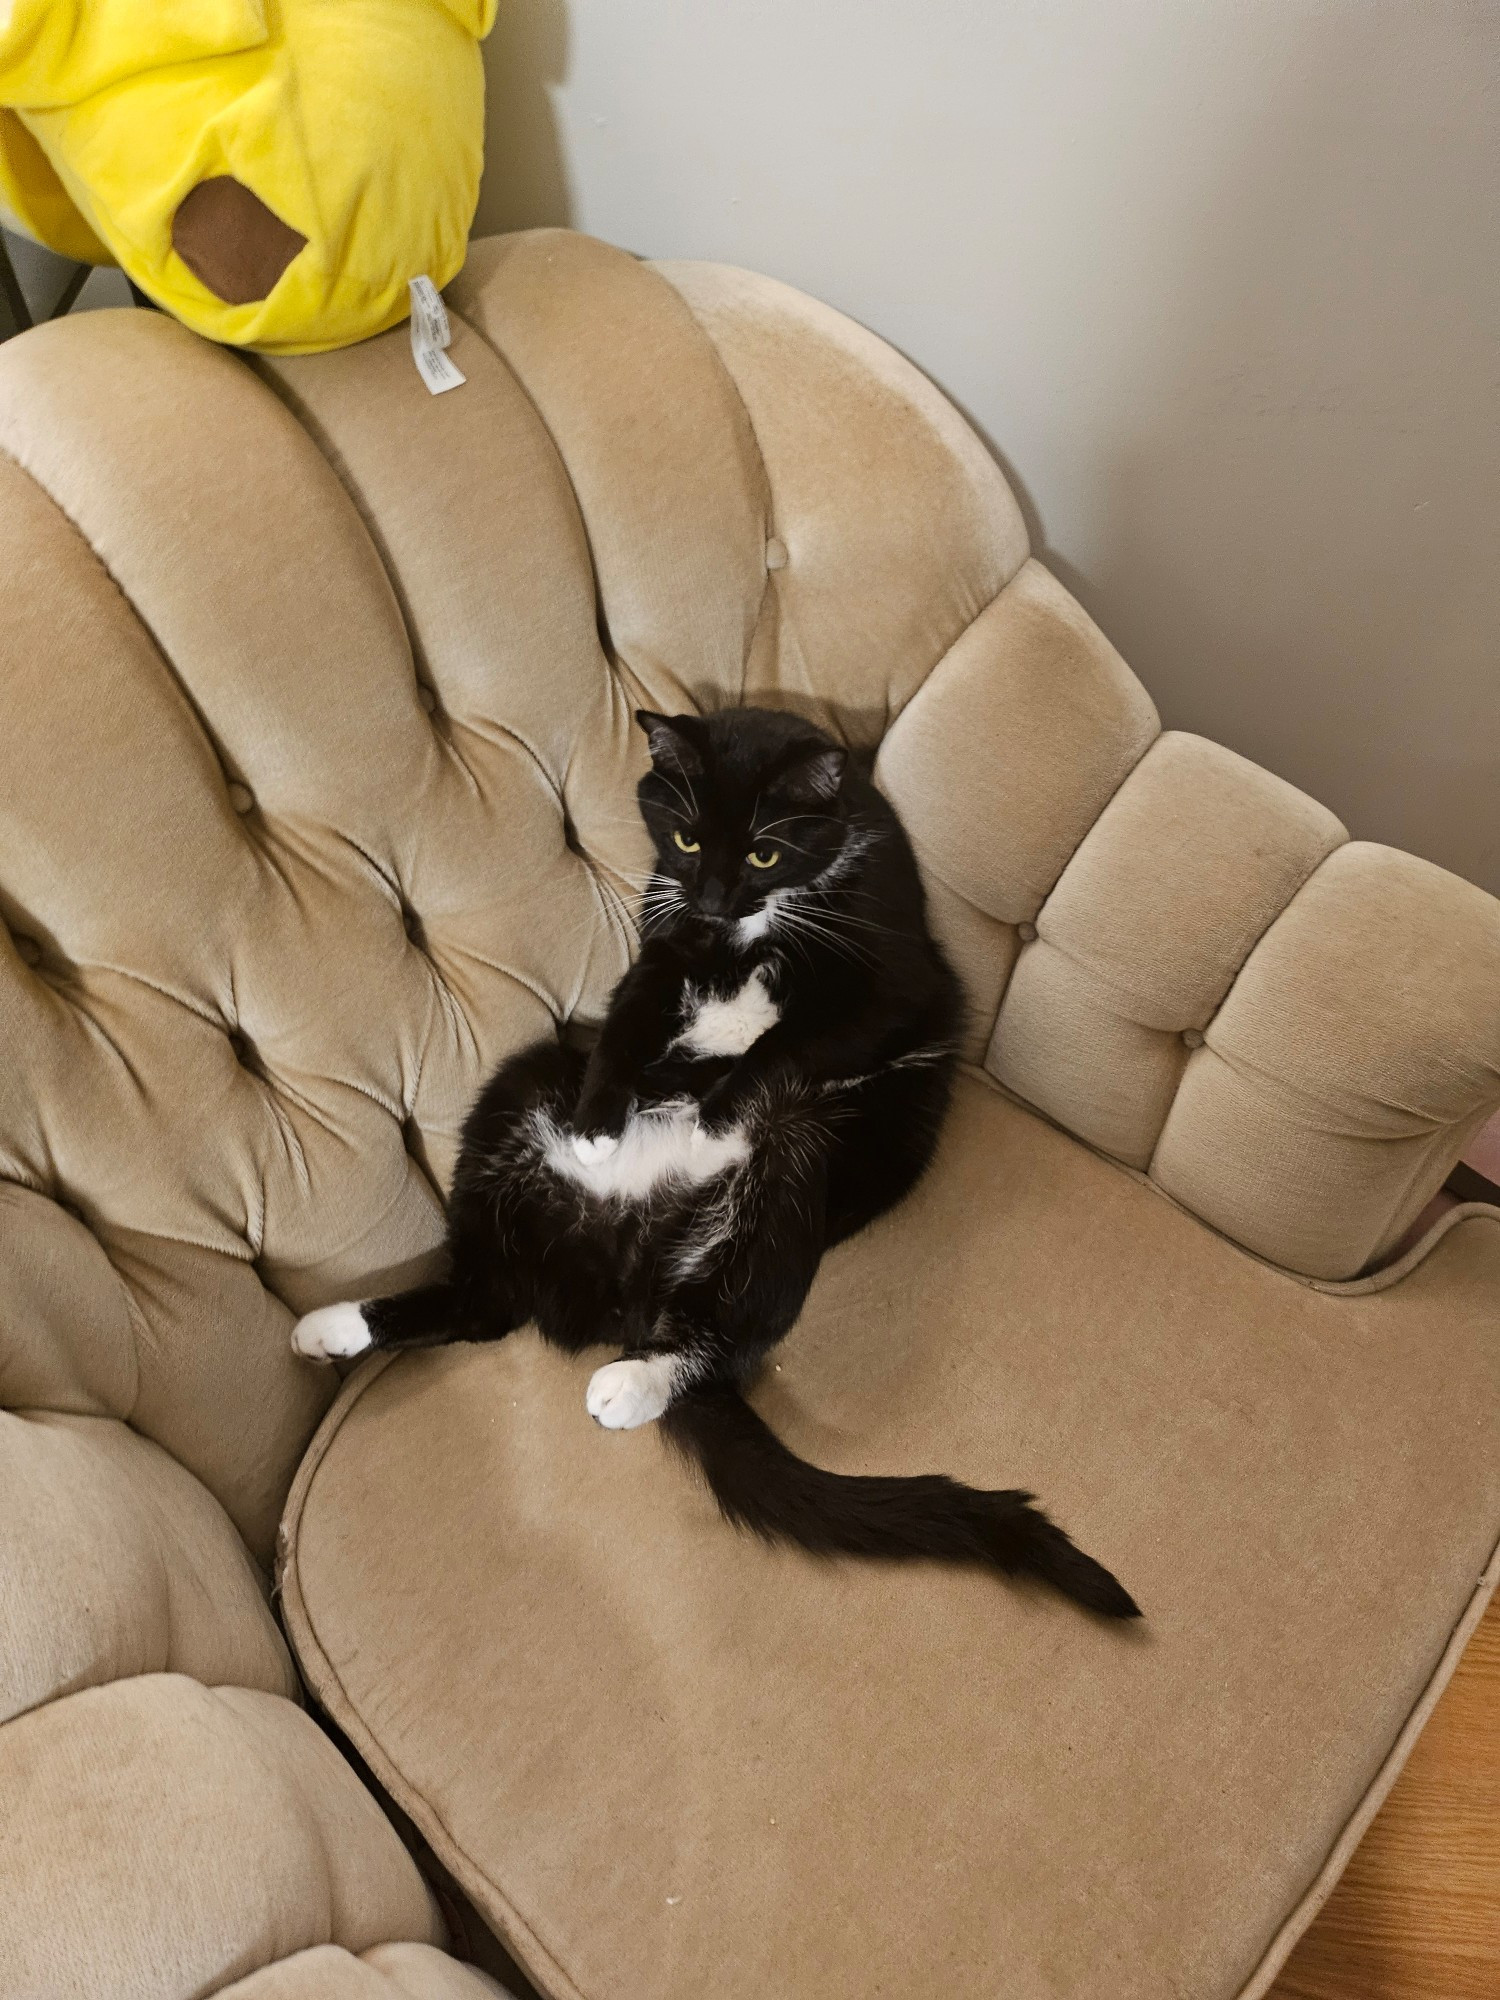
[[840, 1100]]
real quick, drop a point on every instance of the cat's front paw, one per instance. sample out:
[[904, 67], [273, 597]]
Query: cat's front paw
[[600, 1119], [332, 1333], [624, 1394], [596, 1146]]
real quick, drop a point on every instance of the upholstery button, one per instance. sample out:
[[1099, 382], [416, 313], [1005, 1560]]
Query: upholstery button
[[426, 696], [241, 798], [1026, 933], [1192, 1038], [244, 1051], [776, 557], [28, 950]]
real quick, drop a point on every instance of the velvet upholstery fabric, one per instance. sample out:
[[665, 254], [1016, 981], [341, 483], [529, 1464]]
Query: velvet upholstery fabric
[[162, 1837], [315, 800]]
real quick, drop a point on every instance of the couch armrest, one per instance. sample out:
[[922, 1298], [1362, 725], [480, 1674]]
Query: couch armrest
[[1185, 960], [1355, 1057]]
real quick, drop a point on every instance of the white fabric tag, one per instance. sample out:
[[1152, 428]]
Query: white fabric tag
[[430, 336]]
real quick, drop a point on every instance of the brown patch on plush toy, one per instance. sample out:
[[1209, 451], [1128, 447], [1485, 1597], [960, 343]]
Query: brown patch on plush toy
[[231, 241]]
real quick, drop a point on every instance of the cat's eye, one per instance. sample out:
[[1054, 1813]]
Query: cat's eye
[[687, 846], [763, 857]]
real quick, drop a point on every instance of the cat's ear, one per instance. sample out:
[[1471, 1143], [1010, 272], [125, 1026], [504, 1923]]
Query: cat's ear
[[672, 747], [814, 779]]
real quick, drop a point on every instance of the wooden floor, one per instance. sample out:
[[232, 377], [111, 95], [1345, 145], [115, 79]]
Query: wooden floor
[[1417, 1914]]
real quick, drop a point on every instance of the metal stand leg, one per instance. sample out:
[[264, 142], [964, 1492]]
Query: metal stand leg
[[15, 314], [67, 297]]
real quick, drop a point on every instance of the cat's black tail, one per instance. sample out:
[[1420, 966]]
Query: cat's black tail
[[762, 1486]]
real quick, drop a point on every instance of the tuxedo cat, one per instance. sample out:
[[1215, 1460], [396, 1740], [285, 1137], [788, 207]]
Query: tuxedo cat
[[771, 1075]]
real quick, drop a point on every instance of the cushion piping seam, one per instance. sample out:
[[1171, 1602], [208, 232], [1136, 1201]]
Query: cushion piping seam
[[1316, 1894], [1355, 1287]]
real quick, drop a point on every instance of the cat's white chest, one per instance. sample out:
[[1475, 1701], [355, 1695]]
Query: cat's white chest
[[727, 1026]]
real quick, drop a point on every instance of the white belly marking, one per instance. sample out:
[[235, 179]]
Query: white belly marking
[[663, 1144], [728, 1027]]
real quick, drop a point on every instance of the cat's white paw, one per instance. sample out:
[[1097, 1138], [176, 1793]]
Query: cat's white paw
[[332, 1333], [623, 1394], [598, 1148]]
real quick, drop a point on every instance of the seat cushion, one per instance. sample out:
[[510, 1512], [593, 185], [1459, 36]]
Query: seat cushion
[[666, 1761]]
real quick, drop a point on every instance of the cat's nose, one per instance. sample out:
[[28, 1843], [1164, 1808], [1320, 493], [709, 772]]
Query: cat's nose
[[713, 899]]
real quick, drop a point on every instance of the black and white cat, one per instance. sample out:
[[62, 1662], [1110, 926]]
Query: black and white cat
[[771, 1075]]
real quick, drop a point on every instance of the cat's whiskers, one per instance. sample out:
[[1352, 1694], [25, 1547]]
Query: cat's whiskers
[[659, 900], [795, 918], [690, 803], [837, 914]]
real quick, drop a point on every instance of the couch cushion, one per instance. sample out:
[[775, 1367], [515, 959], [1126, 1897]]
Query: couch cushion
[[115, 1561], [388, 1972], [667, 1761], [160, 1839]]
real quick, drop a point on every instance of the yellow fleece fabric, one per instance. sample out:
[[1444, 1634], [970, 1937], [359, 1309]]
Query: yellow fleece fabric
[[359, 123]]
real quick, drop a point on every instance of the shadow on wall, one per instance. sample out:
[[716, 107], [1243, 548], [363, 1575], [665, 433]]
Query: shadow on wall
[[525, 183], [1291, 524], [1297, 547]]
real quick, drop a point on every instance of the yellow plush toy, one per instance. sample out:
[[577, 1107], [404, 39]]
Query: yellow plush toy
[[273, 172]]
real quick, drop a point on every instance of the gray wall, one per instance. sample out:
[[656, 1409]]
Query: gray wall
[[1219, 279]]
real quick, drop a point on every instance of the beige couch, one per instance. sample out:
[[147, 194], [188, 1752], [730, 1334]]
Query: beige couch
[[315, 783]]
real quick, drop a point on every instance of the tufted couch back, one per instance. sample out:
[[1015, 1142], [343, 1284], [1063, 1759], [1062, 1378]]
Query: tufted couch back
[[315, 799]]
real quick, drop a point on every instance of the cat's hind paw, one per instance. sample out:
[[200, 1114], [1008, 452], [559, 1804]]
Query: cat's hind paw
[[625, 1394], [332, 1333]]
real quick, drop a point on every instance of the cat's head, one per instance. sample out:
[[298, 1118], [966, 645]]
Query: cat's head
[[743, 806]]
